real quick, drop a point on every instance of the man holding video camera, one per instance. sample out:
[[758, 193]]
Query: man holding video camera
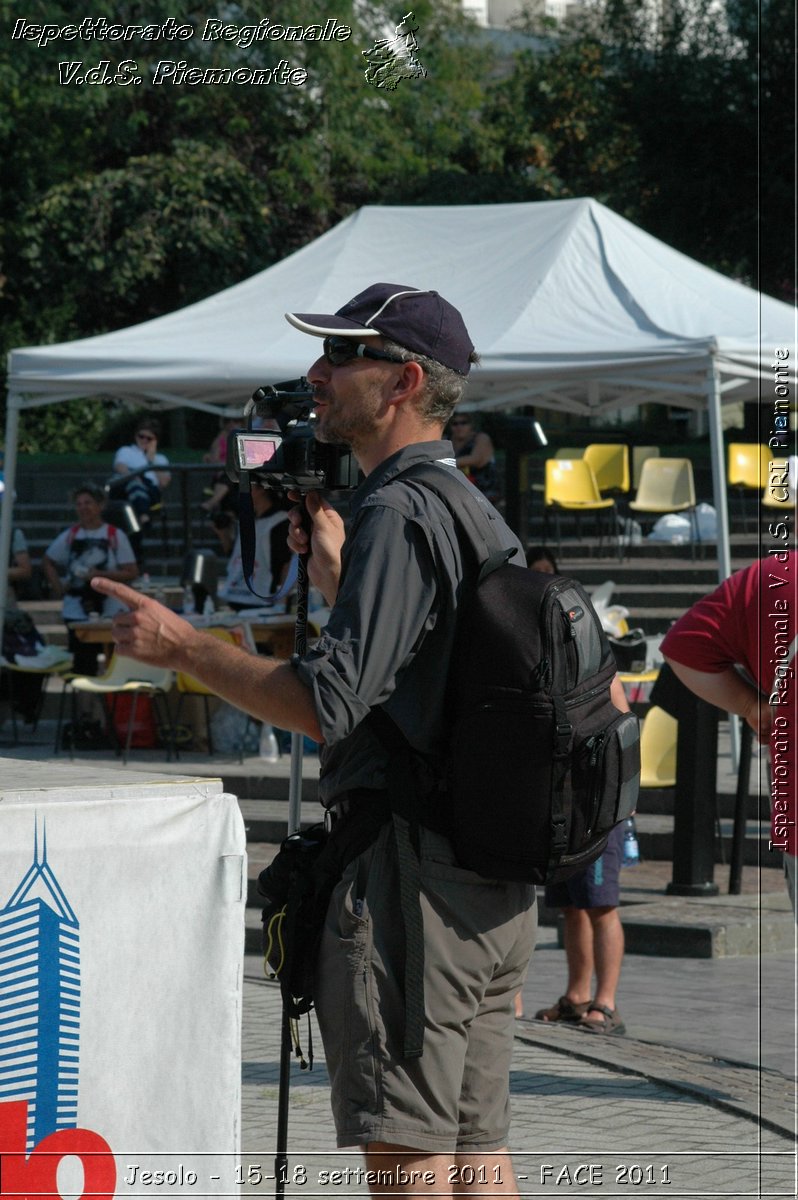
[[393, 367]]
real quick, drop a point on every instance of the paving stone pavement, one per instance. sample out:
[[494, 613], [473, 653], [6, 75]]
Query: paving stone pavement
[[646, 1120]]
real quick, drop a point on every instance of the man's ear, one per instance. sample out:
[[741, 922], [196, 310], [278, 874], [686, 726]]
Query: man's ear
[[408, 383]]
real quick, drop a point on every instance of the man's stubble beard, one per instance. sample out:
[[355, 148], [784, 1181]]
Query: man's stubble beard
[[348, 423]]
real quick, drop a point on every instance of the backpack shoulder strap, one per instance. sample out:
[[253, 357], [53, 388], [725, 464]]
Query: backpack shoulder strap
[[474, 525]]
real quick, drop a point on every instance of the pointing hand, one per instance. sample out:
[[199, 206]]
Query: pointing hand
[[149, 631]]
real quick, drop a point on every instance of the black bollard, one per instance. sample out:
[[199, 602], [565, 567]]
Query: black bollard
[[695, 799], [741, 810]]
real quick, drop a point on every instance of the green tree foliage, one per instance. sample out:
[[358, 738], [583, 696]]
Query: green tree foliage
[[669, 113], [143, 239], [560, 121], [66, 427], [691, 92]]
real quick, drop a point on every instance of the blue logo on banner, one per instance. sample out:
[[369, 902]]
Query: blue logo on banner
[[40, 1000]]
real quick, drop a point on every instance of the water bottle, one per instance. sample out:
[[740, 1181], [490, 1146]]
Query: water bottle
[[268, 749], [189, 606], [631, 849]]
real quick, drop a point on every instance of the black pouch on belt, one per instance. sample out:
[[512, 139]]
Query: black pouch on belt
[[297, 886]]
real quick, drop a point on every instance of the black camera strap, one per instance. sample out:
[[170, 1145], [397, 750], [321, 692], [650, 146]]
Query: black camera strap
[[246, 530]]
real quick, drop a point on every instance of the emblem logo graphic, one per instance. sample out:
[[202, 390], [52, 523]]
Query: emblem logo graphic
[[40, 1040], [390, 60], [40, 1000]]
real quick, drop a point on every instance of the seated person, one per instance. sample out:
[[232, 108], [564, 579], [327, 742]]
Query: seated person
[[142, 492], [272, 556], [475, 455], [20, 567], [19, 634], [85, 551], [221, 487]]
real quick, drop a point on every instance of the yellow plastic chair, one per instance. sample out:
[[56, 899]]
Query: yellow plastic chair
[[666, 486], [610, 464], [569, 452], [658, 741], [187, 685], [747, 472], [658, 749], [748, 465], [125, 676], [777, 494], [571, 487], [639, 456]]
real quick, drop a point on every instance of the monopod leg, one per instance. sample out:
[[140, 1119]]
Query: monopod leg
[[294, 811]]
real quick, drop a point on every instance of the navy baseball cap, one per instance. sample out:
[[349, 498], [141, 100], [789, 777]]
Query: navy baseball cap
[[421, 321]]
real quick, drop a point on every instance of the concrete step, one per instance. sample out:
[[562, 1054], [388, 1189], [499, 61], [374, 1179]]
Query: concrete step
[[655, 835], [726, 926], [660, 801]]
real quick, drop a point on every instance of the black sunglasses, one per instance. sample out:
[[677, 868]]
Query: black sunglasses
[[340, 350]]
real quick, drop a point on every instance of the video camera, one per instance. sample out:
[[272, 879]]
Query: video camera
[[291, 459]]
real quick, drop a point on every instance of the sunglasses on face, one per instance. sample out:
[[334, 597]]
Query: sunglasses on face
[[340, 350]]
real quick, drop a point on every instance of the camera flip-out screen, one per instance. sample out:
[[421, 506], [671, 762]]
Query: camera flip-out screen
[[254, 450]]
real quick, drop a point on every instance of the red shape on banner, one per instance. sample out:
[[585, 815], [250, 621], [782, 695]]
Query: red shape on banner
[[23, 1176]]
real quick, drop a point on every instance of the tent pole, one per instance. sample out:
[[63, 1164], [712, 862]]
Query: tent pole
[[14, 403], [718, 469], [721, 510]]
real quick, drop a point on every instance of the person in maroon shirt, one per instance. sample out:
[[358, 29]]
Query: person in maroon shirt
[[750, 622]]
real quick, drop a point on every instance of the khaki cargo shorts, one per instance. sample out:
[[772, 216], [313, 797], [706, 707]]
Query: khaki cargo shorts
[[478, 937]]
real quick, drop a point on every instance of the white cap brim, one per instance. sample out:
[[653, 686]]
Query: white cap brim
[[320, 325]]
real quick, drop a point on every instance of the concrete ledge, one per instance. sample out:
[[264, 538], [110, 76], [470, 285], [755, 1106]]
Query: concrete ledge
[[655, 834], [716, 927]]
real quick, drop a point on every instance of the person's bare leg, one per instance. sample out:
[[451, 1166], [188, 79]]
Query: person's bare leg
[[579, 954], [416, 1173], [608, 946]]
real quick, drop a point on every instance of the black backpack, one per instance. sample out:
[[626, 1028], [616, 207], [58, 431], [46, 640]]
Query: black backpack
[[540, 765]]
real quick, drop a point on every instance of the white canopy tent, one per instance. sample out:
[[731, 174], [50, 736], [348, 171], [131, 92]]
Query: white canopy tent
[[569, 305]]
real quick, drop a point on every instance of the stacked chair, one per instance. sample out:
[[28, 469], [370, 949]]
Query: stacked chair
[[667, 486], [571, 487]]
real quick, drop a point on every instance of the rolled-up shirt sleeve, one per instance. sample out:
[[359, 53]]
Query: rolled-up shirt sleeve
[[385, 605], [720, 630]]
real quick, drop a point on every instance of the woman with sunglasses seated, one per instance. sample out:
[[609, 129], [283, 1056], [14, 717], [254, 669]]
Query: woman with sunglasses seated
[[475, 455], [143, 491]]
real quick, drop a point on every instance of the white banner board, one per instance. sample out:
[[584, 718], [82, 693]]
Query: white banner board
[[121, 960]]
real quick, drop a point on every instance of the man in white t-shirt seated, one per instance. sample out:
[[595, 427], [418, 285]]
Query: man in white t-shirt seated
[[87, 550], [272, 556]]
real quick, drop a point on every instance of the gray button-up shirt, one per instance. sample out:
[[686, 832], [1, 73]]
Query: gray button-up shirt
[[390, 635]]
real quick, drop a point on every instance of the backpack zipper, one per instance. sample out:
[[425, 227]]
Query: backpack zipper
[[596, 744]]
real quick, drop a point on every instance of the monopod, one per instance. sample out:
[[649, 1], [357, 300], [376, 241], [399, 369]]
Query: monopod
[[294, 820]]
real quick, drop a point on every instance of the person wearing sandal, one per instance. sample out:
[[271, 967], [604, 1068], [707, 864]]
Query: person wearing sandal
[[594, 942]]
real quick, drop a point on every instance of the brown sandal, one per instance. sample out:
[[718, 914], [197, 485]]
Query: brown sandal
[[612, 1023], [563, 1010]]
